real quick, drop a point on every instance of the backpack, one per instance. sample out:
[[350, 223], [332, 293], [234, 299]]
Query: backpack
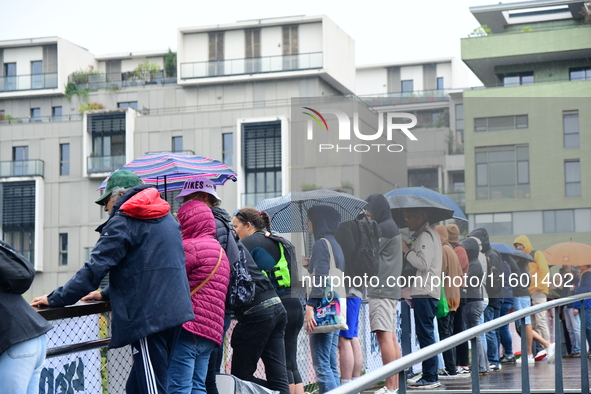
[[360, 242], [280, 274], [16, 272], [494, 267], [241, 287]]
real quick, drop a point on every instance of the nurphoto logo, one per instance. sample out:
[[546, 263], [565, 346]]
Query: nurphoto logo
[[344, 130]]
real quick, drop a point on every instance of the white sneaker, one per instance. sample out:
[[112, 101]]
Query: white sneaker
[[530, 360], [551, 352], [385, 390], [414, 379]]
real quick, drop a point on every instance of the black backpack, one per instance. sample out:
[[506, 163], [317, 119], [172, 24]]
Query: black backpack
[[360, 242], [494, 270]]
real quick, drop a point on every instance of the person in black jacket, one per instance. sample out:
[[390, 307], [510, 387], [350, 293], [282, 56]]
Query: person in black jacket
[[22, 331], [140, 246]]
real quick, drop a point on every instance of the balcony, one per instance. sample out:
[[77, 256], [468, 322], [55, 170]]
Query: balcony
[[103, 164], [259, 65], [28, 82], [41, 119], [120, 80], [401, 98], [19, 168]]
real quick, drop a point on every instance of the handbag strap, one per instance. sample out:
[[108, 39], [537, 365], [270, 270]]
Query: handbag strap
[[332, 262], [210, 275]]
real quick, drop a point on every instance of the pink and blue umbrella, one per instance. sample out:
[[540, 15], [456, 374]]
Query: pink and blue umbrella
[[169, 171]]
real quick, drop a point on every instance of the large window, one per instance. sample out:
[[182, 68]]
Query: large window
[[10, 75], [37, 75], [18, 216], [228, 148], [516, 79], [261, 161], [407, 86], [440, 84], [64, 159], [20, 157], [108, 141], [580, 73], [498, 123], [63, 259], [570, 126], [460, 119], [252, 50], [291, 47], [562, 221], [35, 114], [502, 172], [572, 178], [495, 223], [56, 114], [427, 177], [216, 53]]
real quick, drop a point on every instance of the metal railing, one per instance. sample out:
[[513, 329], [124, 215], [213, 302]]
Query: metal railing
[[100, 164], [41, 119], [257, 65], [414, 97], [22, 168], [120, 80], [397, 366], [28, 82]]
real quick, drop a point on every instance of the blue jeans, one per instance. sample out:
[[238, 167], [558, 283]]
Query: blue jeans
[[573, 326], [424, 310], [21, 365], [188, 367], [323, 348], [492, 344], [504, 334], [472, 313]]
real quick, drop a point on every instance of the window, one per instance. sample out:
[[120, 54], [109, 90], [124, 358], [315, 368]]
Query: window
[[37, 75], [407, 86], [10, 75], [228, 148], [290, 48], [261, 161], [502, 172], [64, 159], [516, 79], [460, 119], [20, 157], [570, 126], [428, 178], [18, 216], [108, 141], [177, 144], [128, 104], [562, 221], [56, 114], [216, 53], [580, 74], [63, 249], [572, 178], [495, 223], [440, 83], [252, 53], [35, 114], [498, 123]]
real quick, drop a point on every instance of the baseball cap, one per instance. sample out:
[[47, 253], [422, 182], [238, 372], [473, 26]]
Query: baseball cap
[[121, 178], [197, 185]]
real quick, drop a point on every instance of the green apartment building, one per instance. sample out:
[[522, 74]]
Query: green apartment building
[[528, 131]]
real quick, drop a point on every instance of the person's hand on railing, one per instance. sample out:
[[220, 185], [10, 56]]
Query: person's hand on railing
[[93, 296], [40, 301]]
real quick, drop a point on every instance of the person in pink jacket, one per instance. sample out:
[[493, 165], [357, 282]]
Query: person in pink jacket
[[208, 272]]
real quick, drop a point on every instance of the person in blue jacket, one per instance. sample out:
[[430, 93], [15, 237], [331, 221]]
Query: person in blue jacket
[[140, 246], [323, 222], [583, 285]]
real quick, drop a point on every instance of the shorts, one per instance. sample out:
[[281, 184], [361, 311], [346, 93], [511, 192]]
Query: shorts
[[520, 303], [382, 314], [353, 305]]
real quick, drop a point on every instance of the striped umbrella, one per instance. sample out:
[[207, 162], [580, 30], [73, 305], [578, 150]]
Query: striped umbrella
[[169, 171], [289, 213]]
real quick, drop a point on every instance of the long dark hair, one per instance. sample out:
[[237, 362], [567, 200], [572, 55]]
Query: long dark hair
[[259, 219]]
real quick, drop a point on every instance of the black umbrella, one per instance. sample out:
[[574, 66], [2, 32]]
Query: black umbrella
[[436, 212]]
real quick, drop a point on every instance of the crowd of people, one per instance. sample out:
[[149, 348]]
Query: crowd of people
[[169, 281]]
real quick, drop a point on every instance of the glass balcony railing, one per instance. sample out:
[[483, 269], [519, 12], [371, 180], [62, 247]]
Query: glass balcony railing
[[120, 80], [258, 65], [100, 164], [41, 119], [419, 96], [28, 82], [22, 168]]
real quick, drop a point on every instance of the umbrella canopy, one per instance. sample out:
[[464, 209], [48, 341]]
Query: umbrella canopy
[[169, 171], [510, 250], [436, 212], [289, 213], [431, 195], [568, 253]]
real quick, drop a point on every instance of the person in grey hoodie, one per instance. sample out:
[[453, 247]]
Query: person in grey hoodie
[[323, 222], [384, 297]]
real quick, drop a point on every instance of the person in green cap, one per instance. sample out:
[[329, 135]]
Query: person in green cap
[[140, 247]]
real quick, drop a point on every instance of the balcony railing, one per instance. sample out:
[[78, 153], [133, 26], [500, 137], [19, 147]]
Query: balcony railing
[[41, 119], [28, 82], [22, 168], [120, 80], [258, 65], [100, 164], [398, 98]]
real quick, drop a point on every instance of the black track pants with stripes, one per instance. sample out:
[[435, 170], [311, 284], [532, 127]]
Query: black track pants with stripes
[[151, 357]]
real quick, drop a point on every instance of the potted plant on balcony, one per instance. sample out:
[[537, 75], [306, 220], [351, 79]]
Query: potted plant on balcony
[[147, 71], [88, 106]]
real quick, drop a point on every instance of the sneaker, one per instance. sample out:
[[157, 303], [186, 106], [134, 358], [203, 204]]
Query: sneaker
[[507, 360], [443, 374], [385, 390], [414, 379], [576, 355], [541, 354], [423, 384], [530, 360], [551, 352], [494, 367], [463, 372]]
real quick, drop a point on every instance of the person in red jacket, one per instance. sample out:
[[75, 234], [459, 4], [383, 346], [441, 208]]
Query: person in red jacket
[[208, 272]]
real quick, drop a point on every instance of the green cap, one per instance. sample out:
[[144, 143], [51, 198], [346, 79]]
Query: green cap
[[121, 178]]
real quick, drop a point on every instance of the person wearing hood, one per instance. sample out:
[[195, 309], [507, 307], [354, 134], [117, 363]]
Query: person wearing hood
[[208, 272], [538, 287], [493, 306], [452, 282], [323, 222], [384, 297], [140, 247], [424, 254], [475, 301], [259, 323]]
